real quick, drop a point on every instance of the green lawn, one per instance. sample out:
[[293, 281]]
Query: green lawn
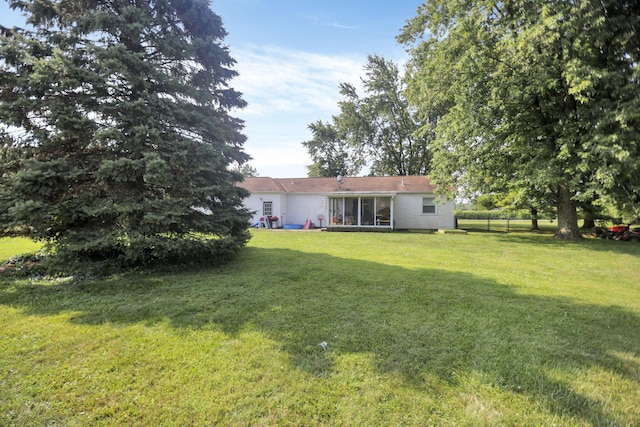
[[16, 246], [420, 329]]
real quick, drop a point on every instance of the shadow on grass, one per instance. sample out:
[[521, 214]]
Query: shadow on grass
[[420, 323]]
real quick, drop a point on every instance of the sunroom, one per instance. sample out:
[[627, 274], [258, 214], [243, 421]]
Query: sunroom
[[362, 211]]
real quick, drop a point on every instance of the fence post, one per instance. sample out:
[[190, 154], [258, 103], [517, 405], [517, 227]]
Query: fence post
[[508, 225]]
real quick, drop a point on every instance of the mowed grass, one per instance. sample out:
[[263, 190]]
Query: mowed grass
[[10, 247], [420, 329]]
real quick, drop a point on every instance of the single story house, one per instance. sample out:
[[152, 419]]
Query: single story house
[[372, 202]]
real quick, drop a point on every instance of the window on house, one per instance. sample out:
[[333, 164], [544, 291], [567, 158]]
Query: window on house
[[360, 211], [337, 211], [367, 211], [428, 205], [267, 208], [383, 211], [351, 211]]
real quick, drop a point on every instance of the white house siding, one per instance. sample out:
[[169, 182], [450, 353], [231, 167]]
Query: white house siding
[[297, 200], [298, 208], [255, 201], [408, 213], [303, 207]]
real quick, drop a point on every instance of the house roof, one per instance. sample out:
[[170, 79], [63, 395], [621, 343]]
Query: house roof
[[360, 184]]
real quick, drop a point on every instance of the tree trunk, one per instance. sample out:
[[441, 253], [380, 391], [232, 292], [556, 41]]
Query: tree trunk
[[590, 215], [589, 224], [534, 220], [567, 215]]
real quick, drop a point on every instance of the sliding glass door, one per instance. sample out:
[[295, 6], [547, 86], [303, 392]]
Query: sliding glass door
[[361, 211]]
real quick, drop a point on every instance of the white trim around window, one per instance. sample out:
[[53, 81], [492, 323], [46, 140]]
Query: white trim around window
[[429, 206]]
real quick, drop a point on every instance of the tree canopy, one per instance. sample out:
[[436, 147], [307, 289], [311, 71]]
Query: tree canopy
[[121, 111], [379, 129], [246, 170], [541, 97], [330, 153]]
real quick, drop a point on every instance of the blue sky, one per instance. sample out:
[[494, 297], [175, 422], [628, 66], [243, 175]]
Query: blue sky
[[291, 56]]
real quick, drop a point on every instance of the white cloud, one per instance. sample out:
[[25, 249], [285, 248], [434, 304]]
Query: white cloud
[[277, 80], [286, 90], [282, 160], [340, 26], [314, 20]]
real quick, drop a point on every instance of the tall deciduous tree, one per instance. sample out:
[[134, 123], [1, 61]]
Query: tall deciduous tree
[[246, 170], [382, 126], [380, 129], [330, 154], [540, 95], [125, 107]]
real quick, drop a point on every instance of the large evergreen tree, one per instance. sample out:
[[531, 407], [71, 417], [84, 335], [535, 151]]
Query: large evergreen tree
[[122, 108], [540, 96]]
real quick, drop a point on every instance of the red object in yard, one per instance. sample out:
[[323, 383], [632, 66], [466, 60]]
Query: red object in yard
[[618, 228]]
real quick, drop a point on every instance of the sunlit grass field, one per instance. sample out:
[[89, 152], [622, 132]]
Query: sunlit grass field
[[16, 246], [318, 328]]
